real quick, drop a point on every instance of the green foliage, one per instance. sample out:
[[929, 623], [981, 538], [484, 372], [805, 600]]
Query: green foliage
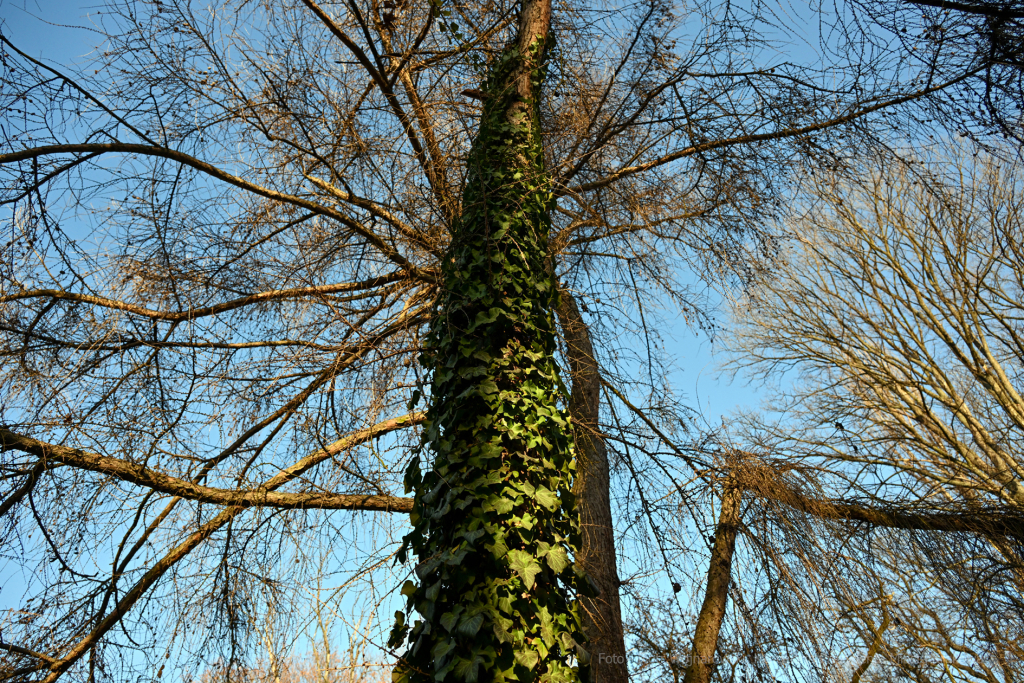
[[494, 519]]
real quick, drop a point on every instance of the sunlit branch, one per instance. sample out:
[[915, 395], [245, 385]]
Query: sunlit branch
[[141, 475], [388, 91], [761, 137], [377, 210], [996, 521], [57, 667], [661, 435], [192, 314]]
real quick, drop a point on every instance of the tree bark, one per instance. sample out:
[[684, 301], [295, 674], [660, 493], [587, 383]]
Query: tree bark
[[51, 455], [602, 615], [716, 596]]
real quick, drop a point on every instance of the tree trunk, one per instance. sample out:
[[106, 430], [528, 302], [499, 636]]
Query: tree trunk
[[494, 523], [602, 616], [716, 596]]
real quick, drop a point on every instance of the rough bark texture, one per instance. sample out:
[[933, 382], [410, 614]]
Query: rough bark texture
[[716, 596], [602, 616]]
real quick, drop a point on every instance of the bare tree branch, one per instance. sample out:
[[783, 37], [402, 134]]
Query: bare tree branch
[[139, 474]]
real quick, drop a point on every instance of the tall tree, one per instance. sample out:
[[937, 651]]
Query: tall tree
[[494, 522], [235, 232]]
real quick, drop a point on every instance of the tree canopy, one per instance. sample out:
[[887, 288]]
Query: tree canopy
[[251, 241], [896, 313]]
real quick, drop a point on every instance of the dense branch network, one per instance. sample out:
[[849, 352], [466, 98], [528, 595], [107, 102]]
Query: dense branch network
[[230, 234]]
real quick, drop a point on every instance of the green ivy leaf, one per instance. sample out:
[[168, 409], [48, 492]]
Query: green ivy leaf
[[470, 626], [547, 632], [498, 549], [449, 619], [441, 649], [558, 559], [525, 565], [527, 658], [498, 504], [502, 628], [469, 669]]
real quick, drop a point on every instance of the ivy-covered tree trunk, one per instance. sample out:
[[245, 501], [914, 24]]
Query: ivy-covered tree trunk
[[494, 518]]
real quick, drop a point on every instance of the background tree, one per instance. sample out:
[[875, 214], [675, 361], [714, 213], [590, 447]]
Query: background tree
[[895, 314], [229, 236]]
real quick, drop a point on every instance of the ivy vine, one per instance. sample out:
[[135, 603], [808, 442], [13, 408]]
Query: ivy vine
[[494, 520]]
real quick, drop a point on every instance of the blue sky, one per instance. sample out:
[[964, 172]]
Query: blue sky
[[53, 30]]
